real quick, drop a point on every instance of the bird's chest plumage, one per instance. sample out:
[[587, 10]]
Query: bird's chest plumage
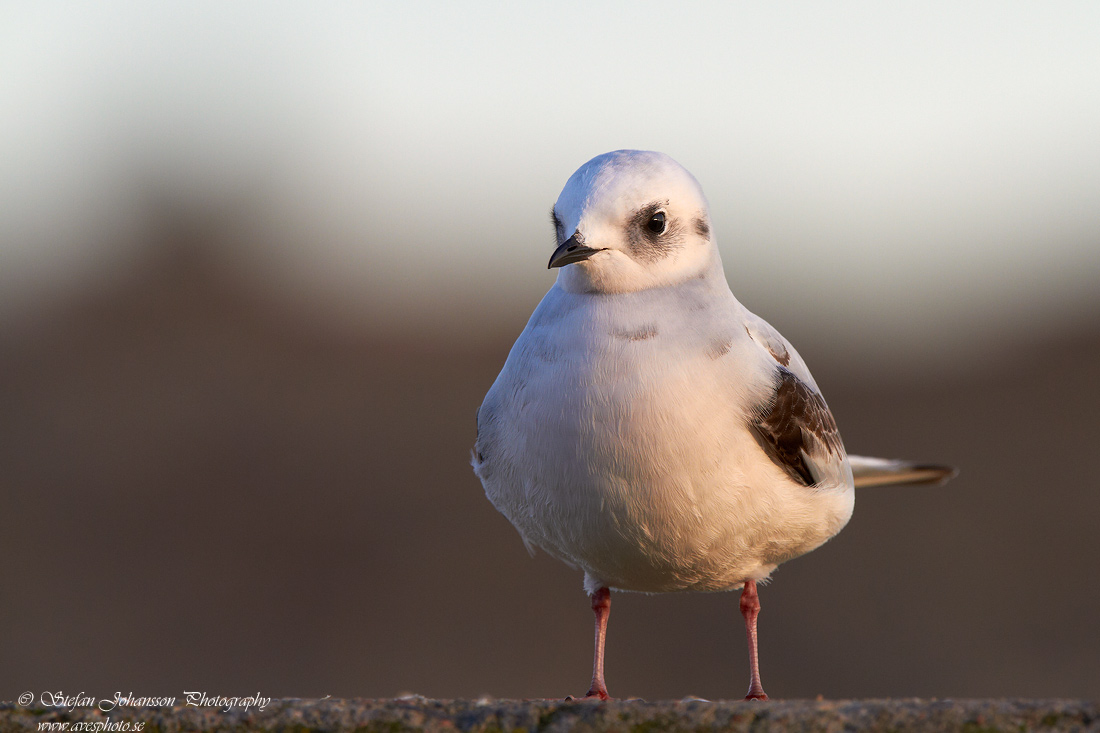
[[627, 406], [617, 441], [624, 394]]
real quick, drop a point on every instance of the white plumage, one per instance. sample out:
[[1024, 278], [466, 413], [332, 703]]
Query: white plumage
[[646, 428]]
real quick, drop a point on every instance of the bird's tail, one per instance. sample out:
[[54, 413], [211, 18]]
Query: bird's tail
[[883, 472]]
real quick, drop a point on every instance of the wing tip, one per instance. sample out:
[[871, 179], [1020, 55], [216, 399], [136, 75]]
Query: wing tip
[[937, 474], [914, 474]]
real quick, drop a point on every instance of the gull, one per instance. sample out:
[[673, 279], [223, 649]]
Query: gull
[[646, 428]]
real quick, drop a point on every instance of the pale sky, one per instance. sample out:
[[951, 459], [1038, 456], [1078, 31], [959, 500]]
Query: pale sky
[[925, 171]]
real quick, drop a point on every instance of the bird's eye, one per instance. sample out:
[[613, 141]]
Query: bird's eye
[[656, 223]]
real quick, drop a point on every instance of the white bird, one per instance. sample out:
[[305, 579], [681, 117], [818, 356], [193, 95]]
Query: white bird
[[647, 428]]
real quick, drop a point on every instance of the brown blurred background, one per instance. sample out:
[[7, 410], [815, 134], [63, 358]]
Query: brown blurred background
[[258, 268]]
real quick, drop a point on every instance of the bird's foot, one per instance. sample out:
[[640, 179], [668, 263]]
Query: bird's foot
[[756, 695], [593, 694]]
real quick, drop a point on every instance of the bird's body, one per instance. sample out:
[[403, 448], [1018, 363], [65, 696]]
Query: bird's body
[[616, 440], [647, 428]]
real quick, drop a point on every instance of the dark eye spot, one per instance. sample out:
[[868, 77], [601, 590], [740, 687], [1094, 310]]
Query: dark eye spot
[[656, 222], [652, 232]]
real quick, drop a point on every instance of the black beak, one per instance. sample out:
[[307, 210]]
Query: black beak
[[571, 250]]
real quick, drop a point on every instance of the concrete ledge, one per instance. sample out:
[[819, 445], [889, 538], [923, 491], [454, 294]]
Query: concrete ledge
[[630, 716]]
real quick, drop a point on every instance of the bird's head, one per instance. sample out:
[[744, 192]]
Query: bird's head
[[631, 220]]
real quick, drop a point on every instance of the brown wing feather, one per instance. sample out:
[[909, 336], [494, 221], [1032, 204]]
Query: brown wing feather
[[796, 424]]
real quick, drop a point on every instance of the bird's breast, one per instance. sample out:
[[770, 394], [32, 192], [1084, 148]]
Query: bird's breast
[[620, 444]]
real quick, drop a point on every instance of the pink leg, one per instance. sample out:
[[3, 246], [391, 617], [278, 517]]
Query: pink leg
[[750, 609], [601, 606]]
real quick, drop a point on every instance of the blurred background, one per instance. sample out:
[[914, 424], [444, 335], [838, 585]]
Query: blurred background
[[259, 263]]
